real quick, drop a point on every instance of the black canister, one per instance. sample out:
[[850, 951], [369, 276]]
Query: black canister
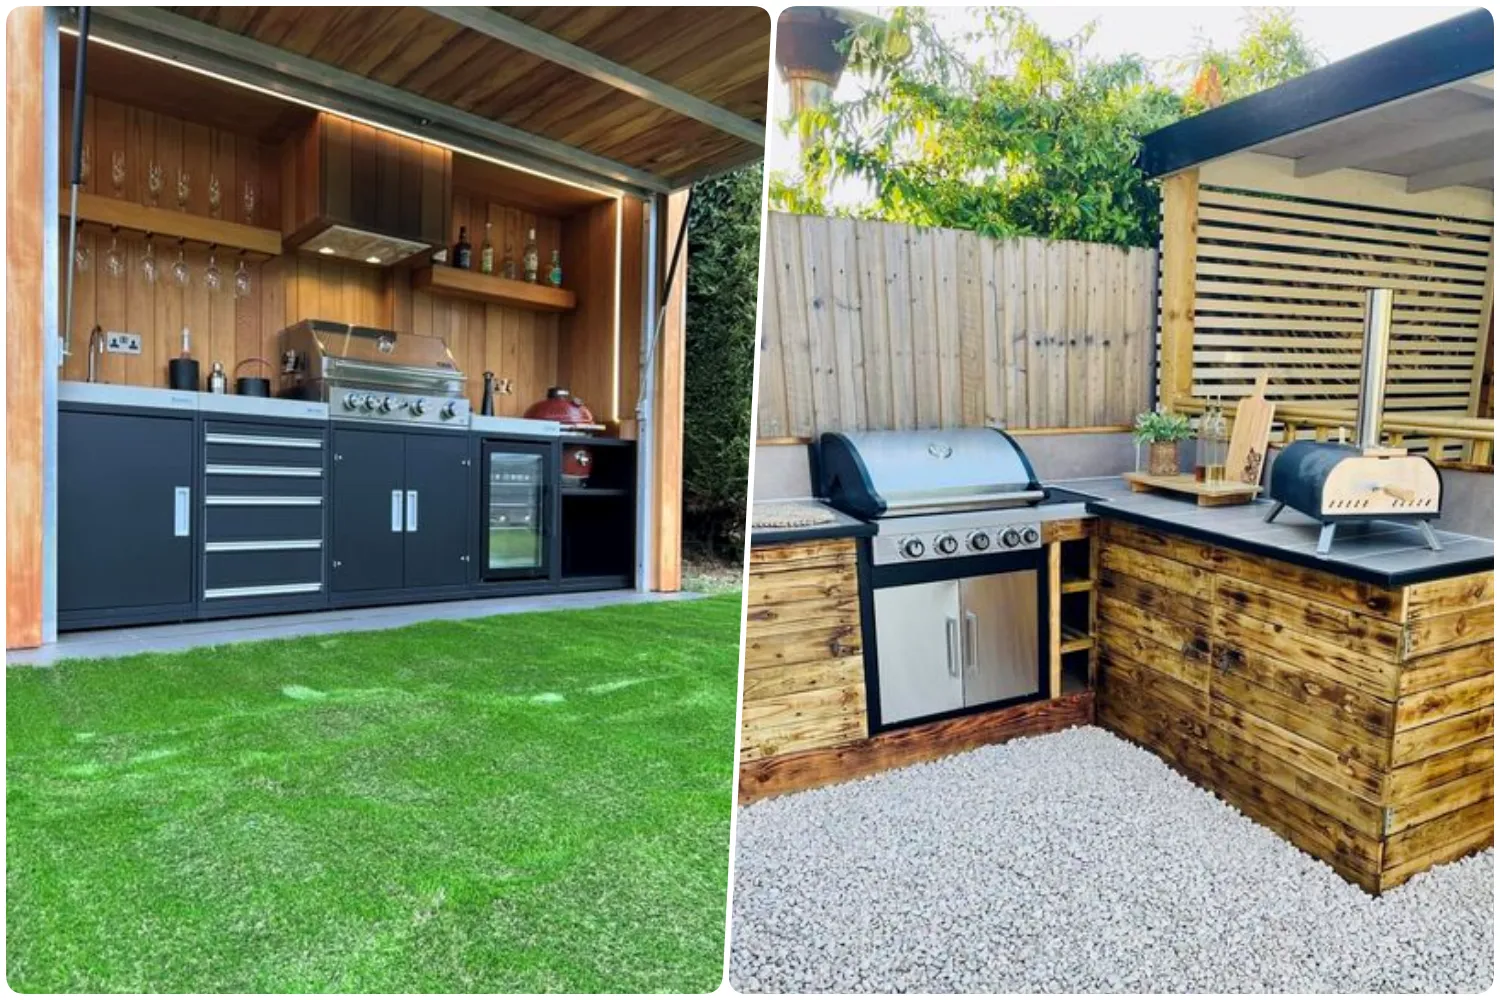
[[182, 374], [487, 403]]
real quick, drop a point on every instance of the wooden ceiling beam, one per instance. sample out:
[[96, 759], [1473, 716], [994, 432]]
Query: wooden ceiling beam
[[1454, 175], [204, 48], [520, 35], [1395, 142]]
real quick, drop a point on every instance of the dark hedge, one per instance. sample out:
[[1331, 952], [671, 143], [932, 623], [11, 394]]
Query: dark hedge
[[723, 273]]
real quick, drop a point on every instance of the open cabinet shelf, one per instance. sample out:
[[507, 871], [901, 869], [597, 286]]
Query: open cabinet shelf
[[464, 284], [109, 213]]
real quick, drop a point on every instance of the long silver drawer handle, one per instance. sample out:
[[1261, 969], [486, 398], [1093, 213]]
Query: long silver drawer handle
[[971, 640], [268, 590], [411, 510], [233, 501], [395, 510], [289, 471], [952, 643], [256, 441], [182, 511], [273, 545]]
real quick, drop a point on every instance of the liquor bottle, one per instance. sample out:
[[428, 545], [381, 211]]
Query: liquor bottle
[[508, 268], [487, 252], [528, 256], [554, 276], [462, 251]]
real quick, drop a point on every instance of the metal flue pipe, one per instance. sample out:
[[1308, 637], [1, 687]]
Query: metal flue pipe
[[75, 173], [1377, 344]]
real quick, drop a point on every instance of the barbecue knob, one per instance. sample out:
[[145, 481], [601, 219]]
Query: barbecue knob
[[1030, 536], [368, 402], [979, 541], [1011, 538], [418, 407], [351, 400], [912, 548], [387, 404], [946, 544], [449, 410]]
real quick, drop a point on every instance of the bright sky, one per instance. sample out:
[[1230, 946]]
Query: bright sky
[[1161, 34]]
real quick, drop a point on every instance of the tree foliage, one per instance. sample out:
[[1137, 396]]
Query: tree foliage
[[1032, 138], [1271, 50], [723, 272]]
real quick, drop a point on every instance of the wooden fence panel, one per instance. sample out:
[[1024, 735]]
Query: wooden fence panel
[[872, 325]]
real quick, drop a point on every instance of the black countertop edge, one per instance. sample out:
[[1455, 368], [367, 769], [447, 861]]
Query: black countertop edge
[[1308, 560], [813, 533]]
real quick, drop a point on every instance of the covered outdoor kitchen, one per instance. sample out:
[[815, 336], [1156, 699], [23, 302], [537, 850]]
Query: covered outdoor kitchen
[[938, 563], [330, 307]]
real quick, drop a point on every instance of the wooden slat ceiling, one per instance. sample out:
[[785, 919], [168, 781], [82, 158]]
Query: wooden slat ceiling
[[718, 54]]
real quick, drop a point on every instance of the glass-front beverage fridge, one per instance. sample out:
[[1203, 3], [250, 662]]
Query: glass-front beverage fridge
[[516, 505]]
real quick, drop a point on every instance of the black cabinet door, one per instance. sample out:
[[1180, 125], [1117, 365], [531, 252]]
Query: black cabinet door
[[369, 510], [437, 510], [124, 511]]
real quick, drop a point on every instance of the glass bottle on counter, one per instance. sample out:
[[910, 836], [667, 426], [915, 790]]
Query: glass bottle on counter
[[1213, 444], [528, 256], [487, 251], [508, 267], [554, 276], [462, 251]]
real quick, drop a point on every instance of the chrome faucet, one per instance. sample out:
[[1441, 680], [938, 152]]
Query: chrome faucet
[[96, 336]]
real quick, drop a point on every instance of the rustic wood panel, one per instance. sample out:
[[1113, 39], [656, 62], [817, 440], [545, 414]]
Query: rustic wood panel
[[877, 325]]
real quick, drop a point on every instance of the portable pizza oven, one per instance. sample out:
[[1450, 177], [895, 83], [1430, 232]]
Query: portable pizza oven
[[1337, 483]]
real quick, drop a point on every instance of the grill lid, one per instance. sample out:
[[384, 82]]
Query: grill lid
[[318, 352], [874, 474]]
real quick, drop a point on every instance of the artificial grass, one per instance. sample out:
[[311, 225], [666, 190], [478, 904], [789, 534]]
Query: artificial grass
[[532, 802]]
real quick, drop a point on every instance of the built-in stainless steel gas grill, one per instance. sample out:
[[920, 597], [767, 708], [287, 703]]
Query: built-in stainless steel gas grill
[[957, 583], [365, 373]]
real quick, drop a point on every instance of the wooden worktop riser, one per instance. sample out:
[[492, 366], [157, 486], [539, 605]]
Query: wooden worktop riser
[[1355, 720]]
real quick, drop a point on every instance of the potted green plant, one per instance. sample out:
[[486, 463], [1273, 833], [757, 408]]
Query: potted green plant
[[1162, 431]]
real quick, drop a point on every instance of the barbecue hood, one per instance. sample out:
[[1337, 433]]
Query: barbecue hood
[[358, 193], [875, 474]]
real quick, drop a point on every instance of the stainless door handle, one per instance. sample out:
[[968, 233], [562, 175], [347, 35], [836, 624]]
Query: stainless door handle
[[182, 511], [395, 510], [952, 644], [411, 510], [971, 640]]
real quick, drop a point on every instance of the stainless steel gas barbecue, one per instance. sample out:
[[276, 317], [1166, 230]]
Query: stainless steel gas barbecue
[[956, 568], [364, 373]]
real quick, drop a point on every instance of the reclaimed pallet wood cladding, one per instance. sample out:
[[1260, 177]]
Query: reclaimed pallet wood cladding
[[1355, 720], [874, 325]]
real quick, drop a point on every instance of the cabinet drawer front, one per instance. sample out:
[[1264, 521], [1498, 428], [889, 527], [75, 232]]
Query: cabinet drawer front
[[259, 523], [241, 573], [263, 450], [262, 481]]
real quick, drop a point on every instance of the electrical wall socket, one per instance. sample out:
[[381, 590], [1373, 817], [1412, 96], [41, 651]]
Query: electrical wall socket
[[122, 343]]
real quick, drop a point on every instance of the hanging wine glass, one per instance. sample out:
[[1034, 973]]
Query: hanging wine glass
[[249, 203], [83, 258], [148, 261], [184, 188], [215, 196], [241, 280], [153, 184], [117, 173], [114, 258], [85, 165], [213, 279], [180, 272]]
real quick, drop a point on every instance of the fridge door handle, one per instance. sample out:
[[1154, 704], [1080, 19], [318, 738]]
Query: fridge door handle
[[411, 510], [182, 511], [971, 640], [396, 518], [953, 647]]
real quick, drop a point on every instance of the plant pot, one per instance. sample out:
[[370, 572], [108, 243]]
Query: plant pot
[[1162, 458]]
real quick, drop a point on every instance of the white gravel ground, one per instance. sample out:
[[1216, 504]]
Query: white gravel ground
[[1074, 862]]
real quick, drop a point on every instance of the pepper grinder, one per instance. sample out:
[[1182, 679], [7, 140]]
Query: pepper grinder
[[487, 403], [217, 381]]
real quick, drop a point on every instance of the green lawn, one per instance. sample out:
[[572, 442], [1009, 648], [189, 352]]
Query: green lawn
[[533, 802]]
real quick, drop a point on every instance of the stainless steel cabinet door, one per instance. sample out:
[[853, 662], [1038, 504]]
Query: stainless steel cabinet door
[[1000, 637], [918, 640]]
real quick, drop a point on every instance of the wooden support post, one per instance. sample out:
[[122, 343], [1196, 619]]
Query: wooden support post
[[671, 354], [25, 347], [1179, 255], [1054, 619]]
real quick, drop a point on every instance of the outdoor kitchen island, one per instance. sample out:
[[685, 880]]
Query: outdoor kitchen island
[[1345, 702]]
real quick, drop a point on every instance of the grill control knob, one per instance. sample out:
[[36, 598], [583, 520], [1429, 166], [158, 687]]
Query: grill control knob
[[417, 407], [912, 548], [946, 544], [979, 541], [368, 402], [1011, 538], [387, 404], [449, 410], [351, 400], [1030, 536]]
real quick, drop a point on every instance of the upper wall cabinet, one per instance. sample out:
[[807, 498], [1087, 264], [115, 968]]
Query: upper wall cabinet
[[364, 194]]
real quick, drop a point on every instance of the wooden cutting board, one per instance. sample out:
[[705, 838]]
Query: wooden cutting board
[[1252, 430]]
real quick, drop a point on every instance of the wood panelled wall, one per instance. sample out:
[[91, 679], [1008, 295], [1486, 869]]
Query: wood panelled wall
[[533, 350], [877, 325]]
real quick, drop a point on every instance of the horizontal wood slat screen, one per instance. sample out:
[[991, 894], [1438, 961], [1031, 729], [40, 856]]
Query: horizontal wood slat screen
[[875, 325], [1280, 287]]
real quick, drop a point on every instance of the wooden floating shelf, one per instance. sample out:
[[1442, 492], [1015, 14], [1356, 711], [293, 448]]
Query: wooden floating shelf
[[1077, 586], [97, 210], [457, 282], [1074, 641], [1207, 495]]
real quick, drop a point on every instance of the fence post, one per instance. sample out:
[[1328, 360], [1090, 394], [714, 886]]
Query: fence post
[[1179, 254]]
